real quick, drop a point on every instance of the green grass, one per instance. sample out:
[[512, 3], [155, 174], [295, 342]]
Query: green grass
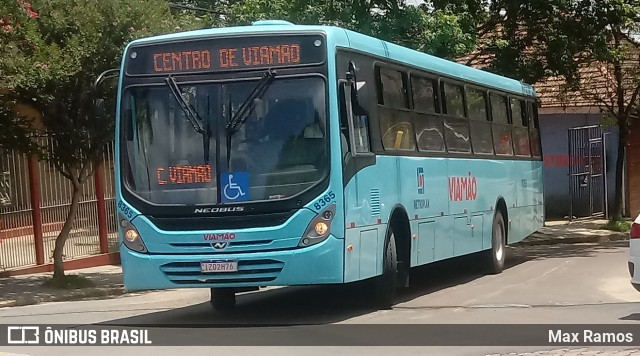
[[72, 281], [617, 225]]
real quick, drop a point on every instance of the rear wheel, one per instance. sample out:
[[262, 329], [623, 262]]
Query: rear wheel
[[223, 298], [385, 284], [494, 258]]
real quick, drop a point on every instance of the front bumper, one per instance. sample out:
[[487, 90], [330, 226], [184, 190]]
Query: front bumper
[[318, 264]]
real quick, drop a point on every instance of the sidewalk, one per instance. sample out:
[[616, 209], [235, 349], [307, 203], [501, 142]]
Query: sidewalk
[[26, 290], [29, 289]]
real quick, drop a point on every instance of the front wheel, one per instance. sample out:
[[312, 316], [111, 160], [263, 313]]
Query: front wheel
[[385, 285], [223, 298], [494, 258]]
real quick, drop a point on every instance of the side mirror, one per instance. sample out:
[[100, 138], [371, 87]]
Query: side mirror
[[110, 73]]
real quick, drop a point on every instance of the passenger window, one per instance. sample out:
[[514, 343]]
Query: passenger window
[[424, 99], [397, 131], [477, 105], [534, 133], [479, 124], [456, 135], [391, 89], [499, 111], [518, 117], [501, 129], [520, 131], [430, 133], [454, 100]]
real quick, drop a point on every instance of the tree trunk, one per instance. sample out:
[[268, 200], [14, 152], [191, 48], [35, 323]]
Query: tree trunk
[[58, 263], [616, 213]]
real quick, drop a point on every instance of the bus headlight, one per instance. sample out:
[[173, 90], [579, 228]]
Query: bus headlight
[[319, 228], [132, 237]]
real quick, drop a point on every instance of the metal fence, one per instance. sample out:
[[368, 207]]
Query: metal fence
[[587, 173], [36, 201]]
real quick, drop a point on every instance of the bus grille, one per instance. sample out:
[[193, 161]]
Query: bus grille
[[249, 271], [375, 202]]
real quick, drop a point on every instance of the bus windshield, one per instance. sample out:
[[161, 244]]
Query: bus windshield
[[280, 150]]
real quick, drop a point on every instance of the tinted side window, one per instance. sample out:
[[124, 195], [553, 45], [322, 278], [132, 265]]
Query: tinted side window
[[456, 134], [501, 129], [479, 124], [499, 111], [518, 117], [397, 130], [424, 99], [429, 133], [476, 104], [391, 88], [534, 133], [520, 131], [454, 100]]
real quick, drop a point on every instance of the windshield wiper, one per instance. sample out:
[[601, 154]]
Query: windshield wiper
[[247, 106], [238, 119], [192, 115]]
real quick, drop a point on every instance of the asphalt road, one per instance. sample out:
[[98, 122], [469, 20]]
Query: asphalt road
[[553, 284]]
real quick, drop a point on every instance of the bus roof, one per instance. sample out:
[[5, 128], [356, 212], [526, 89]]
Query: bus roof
[[349, 39]]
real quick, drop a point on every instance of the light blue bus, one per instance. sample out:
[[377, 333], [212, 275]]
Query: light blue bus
[[277, 155]]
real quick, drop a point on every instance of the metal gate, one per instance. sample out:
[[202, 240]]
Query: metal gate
[[587, 172]]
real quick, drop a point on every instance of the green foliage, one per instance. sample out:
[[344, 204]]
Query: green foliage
[[437, 31], [617, 225], [51, 52], [49, 62], [592, 45]]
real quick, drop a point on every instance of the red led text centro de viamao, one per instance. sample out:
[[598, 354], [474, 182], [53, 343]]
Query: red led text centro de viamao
[[183, 174], [235, 57], [179, 61], [260, 55]]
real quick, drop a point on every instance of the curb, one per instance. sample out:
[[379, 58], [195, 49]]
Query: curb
[[87, 294]]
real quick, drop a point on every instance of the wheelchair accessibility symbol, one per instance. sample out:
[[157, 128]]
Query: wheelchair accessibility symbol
[[235, 186]]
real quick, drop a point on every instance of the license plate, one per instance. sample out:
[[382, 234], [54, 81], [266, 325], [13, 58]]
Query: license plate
[[218, 266]]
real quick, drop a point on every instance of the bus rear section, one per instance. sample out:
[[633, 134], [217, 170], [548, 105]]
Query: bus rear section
[[224, 171]]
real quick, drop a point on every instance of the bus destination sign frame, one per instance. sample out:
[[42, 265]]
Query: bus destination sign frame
[[221, 54]]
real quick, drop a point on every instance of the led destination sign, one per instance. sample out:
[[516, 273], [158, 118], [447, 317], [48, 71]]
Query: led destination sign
[[183, 174], [226, 54]]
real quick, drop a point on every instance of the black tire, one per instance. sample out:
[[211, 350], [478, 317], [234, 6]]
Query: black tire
[[223, 298], [386, 284], [494, 258]]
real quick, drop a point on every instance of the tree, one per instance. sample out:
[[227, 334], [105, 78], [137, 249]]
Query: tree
[[431, 30], [613, 48], [50, 55], [535, 40]]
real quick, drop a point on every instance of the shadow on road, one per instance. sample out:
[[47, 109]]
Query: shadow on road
[[523, 253], [632, 317], [314, 305]]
